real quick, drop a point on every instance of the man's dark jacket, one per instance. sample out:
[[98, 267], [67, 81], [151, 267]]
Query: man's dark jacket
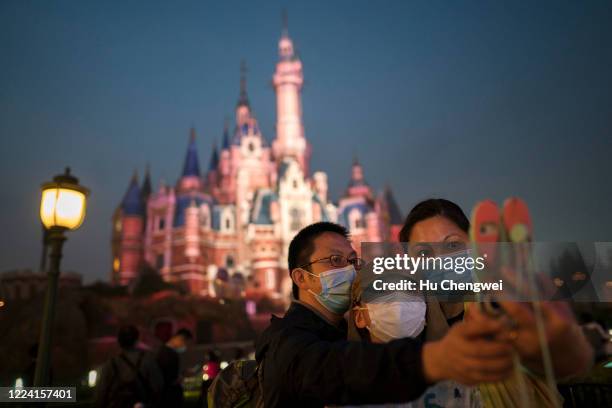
[[309, 363]]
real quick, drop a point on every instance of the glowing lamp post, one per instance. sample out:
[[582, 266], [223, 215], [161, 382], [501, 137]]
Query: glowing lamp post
[[62, 208]]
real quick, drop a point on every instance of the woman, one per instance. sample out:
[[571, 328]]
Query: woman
[[443, 223]]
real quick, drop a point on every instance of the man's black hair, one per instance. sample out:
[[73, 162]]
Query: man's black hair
[[186, 333], [302, 245], [127, 337]]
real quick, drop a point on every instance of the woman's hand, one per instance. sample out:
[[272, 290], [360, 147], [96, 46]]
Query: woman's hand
[[570, 351]]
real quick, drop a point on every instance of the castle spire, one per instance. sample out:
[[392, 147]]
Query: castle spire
[[146, 184], [356, 173], [192, 166], [243, 99], [357, 185], [285, 45], [226, 138], [285, 29], [132, 200], [214, 158]]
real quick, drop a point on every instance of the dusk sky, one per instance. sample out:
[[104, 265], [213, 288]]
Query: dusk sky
[[462, 100]]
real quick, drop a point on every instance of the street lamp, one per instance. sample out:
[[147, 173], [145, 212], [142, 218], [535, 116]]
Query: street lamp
[[62, 208]]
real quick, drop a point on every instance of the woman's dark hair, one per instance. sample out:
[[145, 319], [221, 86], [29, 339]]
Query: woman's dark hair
[[431, 208]]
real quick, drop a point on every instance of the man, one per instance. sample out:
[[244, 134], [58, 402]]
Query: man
[[168, 360], [307, 360], [130, 378]]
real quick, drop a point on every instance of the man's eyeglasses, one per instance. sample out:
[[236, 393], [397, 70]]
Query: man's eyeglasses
[[339, 261]]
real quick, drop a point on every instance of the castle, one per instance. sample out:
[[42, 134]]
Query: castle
[[235, 220]]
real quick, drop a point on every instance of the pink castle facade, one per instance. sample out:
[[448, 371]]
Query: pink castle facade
[[235, 221]]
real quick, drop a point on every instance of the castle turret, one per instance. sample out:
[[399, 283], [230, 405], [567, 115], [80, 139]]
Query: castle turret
[[146, 188], [287, 81], [213, 166], [145, 192], [128, 259], [224, 160], [190, 179]]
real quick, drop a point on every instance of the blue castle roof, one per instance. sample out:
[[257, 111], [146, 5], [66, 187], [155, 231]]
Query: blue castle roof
[[192, 166], [226, 137], [214, 159], [146, 188], [132, 203]]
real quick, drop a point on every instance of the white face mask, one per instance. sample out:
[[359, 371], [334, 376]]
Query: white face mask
[[397, 320]]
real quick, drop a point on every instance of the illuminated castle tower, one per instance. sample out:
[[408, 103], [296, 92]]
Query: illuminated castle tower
[[233, 223], [128, 226], [287, 81]]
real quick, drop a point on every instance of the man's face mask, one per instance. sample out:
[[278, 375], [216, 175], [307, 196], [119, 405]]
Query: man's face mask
[[397, 319], [336, 284]]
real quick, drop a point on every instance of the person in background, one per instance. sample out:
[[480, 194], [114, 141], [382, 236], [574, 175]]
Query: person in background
[[308, 362], [168, 359], [131, 378]]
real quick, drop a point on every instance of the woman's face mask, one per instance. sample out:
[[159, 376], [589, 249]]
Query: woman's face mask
[[335, 293], [396, 319]]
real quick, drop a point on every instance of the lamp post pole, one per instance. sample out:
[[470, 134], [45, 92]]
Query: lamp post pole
[[62, 208], [45, 246], [56, 240]]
